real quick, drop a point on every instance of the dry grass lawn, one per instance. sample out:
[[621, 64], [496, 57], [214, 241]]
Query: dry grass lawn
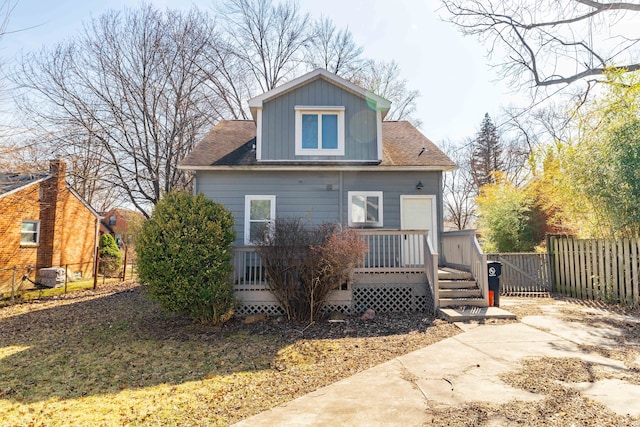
[[111, 357]]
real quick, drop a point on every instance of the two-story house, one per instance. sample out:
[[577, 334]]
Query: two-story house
[[318, 148]]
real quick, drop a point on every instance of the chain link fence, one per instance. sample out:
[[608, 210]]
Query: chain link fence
[[20, 282]]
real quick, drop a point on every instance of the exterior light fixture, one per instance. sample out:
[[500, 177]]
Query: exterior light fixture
[[419, 185]]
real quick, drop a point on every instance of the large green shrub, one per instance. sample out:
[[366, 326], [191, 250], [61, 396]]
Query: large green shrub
[[110, 256], [184, 257], [509, 219]]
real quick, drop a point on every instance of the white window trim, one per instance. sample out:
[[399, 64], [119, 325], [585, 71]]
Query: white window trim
[[259, 135], [37, 233], [300, 110], [379, 223], [247, 213]]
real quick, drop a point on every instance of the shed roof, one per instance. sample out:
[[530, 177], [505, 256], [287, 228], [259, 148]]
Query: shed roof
[[232, 143]]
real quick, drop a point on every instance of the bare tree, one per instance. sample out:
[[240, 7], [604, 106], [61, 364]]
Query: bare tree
[[553, 42], [383, 78], [268, 43], [132, 84], [459, 188], [334, 49], [268, 38]]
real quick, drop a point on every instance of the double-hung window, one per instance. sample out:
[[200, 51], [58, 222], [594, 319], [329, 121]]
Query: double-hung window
[[365, 208], [319, 131], [259, 217], [30, 234]]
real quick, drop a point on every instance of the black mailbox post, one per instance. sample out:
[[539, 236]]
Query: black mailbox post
[[494, 269]]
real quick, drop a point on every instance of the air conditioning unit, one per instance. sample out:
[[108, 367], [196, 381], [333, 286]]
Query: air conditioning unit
[[51, 277]]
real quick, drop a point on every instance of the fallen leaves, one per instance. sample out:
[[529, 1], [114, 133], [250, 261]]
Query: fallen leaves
[[114, 351]]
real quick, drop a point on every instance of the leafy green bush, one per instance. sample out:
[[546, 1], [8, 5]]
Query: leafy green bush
[[110, 257], [184, 257], [509, 219]]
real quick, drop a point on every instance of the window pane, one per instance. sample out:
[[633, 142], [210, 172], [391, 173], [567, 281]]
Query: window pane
[[28, 238], [358, 209], [330, 131], [260, 210], [372, 208], [310, 131], [258, 230], [29, 226]]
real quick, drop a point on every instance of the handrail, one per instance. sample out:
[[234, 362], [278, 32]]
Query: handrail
[[456, 248], [479, 267], [431, 269]]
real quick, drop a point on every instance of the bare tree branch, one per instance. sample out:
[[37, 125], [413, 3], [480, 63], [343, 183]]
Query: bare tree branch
[[132, 85], [554, 42]]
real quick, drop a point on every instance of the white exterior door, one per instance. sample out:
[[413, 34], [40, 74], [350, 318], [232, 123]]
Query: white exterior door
[[417, 213]]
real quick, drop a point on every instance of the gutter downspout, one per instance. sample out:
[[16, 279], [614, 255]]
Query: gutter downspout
[[340, 185]]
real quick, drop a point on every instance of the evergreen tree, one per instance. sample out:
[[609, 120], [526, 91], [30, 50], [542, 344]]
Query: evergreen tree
[[486, 154]]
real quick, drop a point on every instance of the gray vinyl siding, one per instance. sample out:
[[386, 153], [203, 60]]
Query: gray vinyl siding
[[301, 195], [278, 122], [315, 196]]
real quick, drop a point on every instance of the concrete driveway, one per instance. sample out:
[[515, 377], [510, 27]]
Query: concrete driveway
[[411, 390]]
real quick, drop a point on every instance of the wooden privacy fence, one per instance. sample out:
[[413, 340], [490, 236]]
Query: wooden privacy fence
[[607, 269], [523, 274]]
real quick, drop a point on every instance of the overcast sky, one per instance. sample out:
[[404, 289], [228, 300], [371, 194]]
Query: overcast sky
[[456, 85]]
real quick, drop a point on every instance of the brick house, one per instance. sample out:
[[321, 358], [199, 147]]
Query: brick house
[[44, 223], [118, 222]]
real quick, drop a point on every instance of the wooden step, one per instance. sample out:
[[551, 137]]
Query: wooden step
[[460, 293], [447, 273], [457, 284], [465, 314], [460, 302]]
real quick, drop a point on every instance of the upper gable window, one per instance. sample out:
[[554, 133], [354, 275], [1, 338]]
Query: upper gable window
[[319, 131]]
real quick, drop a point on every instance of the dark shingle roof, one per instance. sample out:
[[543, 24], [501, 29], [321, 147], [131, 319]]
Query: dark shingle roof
[[10, 181], [402, 145], [232, 143], [229, 143]]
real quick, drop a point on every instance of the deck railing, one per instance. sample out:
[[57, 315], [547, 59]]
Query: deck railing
[[389, 251], [393, 251], [456, 248], [479, 267], [431, 269], [460, 249], [248, 271]]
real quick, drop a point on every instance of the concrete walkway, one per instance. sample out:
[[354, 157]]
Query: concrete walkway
[[455, 371]]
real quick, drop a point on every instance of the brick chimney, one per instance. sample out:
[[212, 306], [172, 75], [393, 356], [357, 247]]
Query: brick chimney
[[52, 190]]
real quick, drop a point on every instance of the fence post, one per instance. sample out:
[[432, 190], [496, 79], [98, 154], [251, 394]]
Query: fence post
[[124, 268], [96, 261], [66, 272], [13, 285], [551, 262]]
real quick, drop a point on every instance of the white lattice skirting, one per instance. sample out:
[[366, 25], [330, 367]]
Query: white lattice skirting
[[379, 296]]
